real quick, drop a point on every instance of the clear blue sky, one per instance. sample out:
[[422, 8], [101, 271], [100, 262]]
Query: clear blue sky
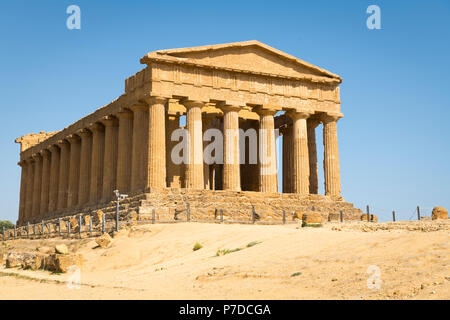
[[394, 138]]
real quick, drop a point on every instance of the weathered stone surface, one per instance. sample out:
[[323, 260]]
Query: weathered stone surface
[[312, 218], [439, 213], [104, 240], [25, 260], [61, 263], [61, 249], [45, 249], [372, 217], [124, 144]]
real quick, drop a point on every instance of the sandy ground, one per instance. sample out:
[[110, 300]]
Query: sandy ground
[[158, 262]]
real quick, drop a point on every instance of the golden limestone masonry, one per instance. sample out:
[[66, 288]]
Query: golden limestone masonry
[[224, 157]]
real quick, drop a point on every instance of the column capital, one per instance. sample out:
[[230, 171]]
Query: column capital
[[73, 138], [192, 103], [125, 113], [36, 156], [110, 121], [294, 114], [330, 117], [226, 107], [139, 107], [83, 133], [53, 148], [155, 100], [265, 111], [44, 153], [62, 142], [96, 126]]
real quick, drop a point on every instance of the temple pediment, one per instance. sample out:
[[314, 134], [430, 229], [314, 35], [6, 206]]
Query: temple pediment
[[250, 56]]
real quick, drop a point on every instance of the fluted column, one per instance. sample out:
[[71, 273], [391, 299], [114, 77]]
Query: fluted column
[[287, 159], [30, 190], [63, 185], [110, 159], [98, 148], [54, 178], [23, 190], [139, 147], [312, 150], [300, 156], [45, 187], [194, 167], [331, 156], [74, 170], [267, 151], [156, 143], [173, 170], [37, 183], [85, 166], [124, 150], [231, 156]]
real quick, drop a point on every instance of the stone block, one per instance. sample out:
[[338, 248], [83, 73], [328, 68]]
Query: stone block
[[439, 213], [312, 218], [61, 249], [104, 240]]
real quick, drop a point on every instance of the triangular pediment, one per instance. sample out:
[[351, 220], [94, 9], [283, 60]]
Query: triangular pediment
[[252, 56]]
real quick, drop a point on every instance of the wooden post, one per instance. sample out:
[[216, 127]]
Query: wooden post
[[153, 216], [221, 215], [188, 212], [253, 214], [341, 216], [368, 214], [393, 216], [418, 213], [284, 216]]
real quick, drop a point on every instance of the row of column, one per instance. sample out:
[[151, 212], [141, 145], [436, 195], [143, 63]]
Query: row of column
[[128, 152]]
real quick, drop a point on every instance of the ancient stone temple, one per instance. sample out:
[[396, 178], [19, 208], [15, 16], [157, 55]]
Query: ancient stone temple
[[129, 144]]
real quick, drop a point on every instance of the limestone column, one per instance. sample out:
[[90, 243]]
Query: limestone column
[[54, 178], [207, 122], [37, 182], [74, 170], [29, 193], [124, 150], [110, 159], [139, 147], [300, 155], [98, 148], [231, 155], [287, 159], [267, 151], [156, 142], [85, 166], [312, 150], [23, 190], [331, 156], [173, 170], [194, 167], [45, 187], [63, 184]]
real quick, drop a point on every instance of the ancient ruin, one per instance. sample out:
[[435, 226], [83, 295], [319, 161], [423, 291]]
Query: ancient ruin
[[127, 145]]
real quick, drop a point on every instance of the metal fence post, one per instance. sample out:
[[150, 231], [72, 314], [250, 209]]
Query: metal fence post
[[188, 212], [221, 215], [28, 230], [418, 213], [90, 225], [15, 232], [153, 216], [393, 216], [341, 216], [368, 214], [43, 225], [34, 229], [253, 214], [103, 223], [284, 216], [313, 208], [79, 225], [68, 228], [59, 226]]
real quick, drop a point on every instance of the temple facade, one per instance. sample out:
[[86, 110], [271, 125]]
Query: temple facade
[[128, 145]]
